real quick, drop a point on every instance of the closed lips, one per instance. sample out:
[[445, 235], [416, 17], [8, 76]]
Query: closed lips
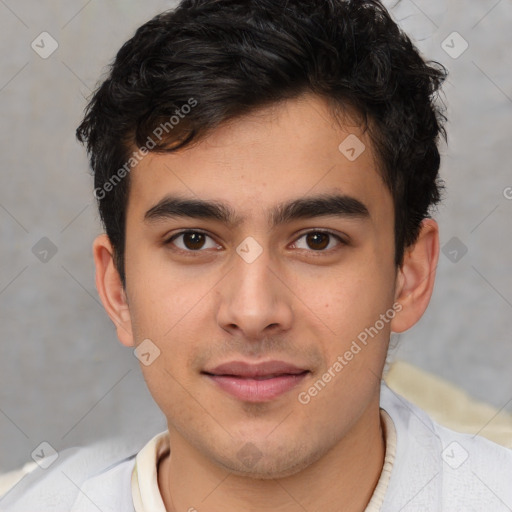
[[264, 370], [256, 377]]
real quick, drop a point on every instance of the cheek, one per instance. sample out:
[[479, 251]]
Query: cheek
[[168, 388], [357, 295], [352, 307], [163, 299]]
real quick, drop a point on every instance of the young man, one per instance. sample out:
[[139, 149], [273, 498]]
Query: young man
[[265, 171]]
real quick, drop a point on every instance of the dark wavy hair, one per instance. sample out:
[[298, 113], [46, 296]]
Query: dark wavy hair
[[233, 56]]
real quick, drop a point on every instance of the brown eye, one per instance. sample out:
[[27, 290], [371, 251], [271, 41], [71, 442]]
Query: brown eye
[[192, 241], [317, 241]]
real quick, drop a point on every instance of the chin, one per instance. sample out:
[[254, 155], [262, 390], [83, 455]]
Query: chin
[[249, 462]]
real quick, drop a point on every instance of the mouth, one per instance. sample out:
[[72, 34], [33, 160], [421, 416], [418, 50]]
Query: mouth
[[256, 382]]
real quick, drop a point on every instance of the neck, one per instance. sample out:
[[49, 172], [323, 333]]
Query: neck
[[343, 479]]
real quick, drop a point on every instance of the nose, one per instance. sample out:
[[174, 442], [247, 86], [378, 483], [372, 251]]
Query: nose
[[254, 300]]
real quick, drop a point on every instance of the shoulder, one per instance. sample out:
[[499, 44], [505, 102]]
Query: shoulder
[[76, 473], [476, 472], [439, 469]]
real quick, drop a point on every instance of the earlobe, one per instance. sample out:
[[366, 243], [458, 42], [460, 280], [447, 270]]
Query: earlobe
[[110, 289], [415, 278]]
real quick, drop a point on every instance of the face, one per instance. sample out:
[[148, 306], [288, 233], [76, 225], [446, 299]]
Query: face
[[291, 260]]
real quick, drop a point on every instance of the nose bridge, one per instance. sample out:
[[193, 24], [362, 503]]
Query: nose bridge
[[253, 299], [253, 287]]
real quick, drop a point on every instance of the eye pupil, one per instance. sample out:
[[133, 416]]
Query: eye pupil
[[318, 241], [193, 240]]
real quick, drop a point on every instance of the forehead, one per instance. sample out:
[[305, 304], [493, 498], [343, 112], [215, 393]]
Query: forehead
[[289, 150]]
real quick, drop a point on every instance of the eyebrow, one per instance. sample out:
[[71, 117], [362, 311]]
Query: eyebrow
[[303, 208]]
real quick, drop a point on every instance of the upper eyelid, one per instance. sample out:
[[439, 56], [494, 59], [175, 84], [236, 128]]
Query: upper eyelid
[[340, 237], [171, 238]]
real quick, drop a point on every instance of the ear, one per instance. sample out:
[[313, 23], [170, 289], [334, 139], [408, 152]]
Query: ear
[[110, 289], [415, 278]]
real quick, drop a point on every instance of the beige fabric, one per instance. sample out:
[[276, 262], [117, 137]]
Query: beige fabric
[[389, 459], [10, 479], [449, 405], [145, 492]]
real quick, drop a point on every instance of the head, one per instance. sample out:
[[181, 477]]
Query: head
[[252, 124]]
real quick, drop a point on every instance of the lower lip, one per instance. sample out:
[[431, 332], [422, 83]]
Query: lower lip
[[257, 390]]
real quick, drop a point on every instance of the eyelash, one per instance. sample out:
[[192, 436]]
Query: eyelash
[[190, 252]]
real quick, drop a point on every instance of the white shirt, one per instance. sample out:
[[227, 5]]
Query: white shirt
[[435, 470]]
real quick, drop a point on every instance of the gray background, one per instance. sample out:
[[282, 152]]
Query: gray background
[[64, 377]]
